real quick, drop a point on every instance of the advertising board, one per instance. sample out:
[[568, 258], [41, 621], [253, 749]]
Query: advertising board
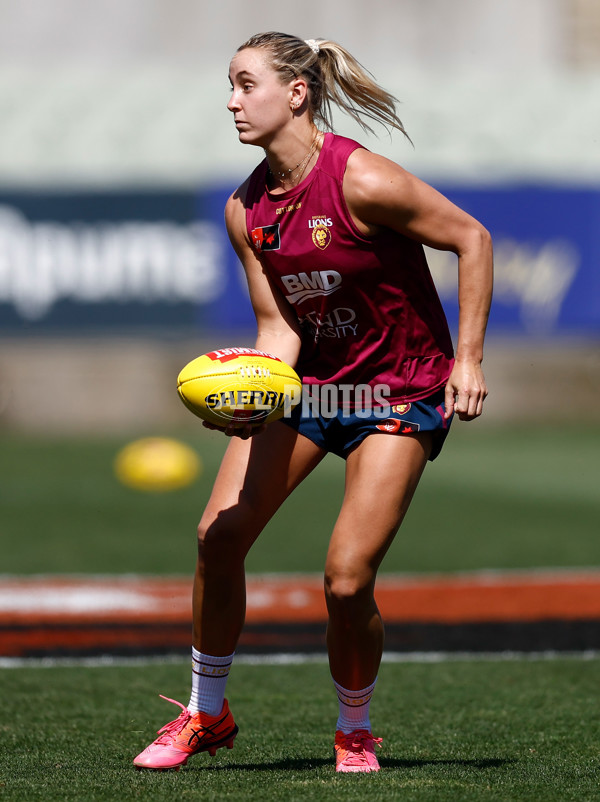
[[133, 261]]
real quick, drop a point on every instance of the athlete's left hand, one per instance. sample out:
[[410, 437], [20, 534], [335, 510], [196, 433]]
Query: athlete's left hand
[[466, 390], [232, 431]]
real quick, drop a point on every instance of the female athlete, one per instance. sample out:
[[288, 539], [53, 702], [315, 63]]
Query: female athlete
[[330, 236]]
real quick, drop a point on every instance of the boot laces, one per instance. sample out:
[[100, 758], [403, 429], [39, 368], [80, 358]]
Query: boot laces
[[356, 744], [173, 728]]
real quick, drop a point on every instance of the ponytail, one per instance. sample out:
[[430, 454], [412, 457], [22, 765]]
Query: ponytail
[[334, 78]]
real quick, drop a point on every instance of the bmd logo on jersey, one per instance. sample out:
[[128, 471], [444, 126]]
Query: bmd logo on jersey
[[266, 238], [303, 286]]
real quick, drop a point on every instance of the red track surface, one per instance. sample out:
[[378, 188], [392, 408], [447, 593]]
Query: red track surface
[[44, 615]]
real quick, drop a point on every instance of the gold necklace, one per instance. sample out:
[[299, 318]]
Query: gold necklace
[[294, 174]]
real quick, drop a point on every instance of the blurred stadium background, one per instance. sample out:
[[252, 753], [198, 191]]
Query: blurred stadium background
[[117, 153]]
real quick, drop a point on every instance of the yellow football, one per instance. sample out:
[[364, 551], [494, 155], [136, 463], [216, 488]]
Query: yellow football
[[240, 386], [157, 464]]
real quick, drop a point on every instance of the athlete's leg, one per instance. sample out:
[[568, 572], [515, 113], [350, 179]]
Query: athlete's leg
[[255, 477], [382, 474]]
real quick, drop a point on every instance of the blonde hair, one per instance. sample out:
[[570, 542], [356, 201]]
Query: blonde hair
[[334, 78]]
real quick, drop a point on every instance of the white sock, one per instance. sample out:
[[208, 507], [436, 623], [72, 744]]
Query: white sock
[[209, 678], [354, 708]]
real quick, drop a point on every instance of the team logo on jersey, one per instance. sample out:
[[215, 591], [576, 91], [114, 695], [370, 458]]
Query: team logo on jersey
[[321, 235], [401, 409], [266, 238]]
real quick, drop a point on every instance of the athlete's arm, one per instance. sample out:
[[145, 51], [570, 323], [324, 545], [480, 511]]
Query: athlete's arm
[[380, 193], [277, 325]]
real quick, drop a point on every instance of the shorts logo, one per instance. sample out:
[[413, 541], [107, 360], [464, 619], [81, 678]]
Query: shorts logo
[[401, 409], [266, 238], [321, 235], [396, 426]]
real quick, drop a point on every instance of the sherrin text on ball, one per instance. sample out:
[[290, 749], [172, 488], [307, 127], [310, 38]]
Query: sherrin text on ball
[[240, 386]]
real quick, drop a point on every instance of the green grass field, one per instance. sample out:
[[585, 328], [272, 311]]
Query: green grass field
[[500, 498], [496, 498], [453, 732]]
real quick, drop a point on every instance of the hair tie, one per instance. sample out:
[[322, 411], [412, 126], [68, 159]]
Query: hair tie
[[312, 43]]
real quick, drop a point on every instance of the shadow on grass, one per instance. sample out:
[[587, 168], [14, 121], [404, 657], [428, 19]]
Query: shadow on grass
[[308, 764], [483, 763]]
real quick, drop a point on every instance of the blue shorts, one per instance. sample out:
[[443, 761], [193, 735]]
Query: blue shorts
[[343, 430]]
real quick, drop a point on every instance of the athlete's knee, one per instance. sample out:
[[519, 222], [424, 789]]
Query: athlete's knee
[[226, 536], [348, 588]]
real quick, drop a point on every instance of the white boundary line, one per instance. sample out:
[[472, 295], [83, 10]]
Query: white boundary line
[[284, 659], [496, 574]]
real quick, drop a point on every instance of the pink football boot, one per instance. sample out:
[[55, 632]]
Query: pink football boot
[[187, 735]]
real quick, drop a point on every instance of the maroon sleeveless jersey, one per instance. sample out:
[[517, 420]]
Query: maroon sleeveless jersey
[[368, 309]]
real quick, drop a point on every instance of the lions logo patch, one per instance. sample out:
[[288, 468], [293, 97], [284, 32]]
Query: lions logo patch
[[319, 226], [321, 236], [401, 409]]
